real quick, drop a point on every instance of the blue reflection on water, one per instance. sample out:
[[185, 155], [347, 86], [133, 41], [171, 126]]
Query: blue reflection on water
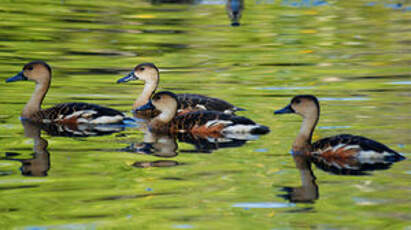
[[400, 83], [343, 99], [183, 226], [334, 127], [285, 88], [263, 205]]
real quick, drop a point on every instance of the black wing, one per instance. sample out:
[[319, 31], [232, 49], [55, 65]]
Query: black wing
[[208, 103], [64, 111]]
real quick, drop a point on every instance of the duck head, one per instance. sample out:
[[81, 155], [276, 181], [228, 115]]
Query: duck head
[[147, 72], [303, 105], [38, 71], [166, 102]]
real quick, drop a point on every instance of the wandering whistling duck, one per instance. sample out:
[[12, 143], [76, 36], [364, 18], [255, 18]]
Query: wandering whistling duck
[[149, 73], [202, 122], [340, 146], [67, 113]]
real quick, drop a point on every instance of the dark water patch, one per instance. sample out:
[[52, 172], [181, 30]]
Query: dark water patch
[[163, 207], [88, 99], [6, 173], [128, 197], [164, 31], [176, 178], [101, 53], [5, 210], [19, 187], [302, 210], [386, 90], [215, 173], [395, 76], [94, 71], [165, 22], [405, 42], [86, 216], [158, 2], [18, 149], [172, 46], [287, 64], [156, 164]]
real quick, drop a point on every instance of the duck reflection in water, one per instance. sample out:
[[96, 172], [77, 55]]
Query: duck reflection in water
[[39, 164], [308, 192], [165, 145], [343, 154], [234, 10]]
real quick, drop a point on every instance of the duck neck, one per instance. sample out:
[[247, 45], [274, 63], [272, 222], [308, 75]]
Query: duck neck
[[149, 88], [164, 117], [34, 104], [303, 140]]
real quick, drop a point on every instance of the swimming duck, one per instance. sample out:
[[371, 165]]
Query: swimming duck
[[209, 123], [149, 73], [340, 146], [67, 113]]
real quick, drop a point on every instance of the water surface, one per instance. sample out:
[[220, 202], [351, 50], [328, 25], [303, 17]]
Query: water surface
[[354, 55]]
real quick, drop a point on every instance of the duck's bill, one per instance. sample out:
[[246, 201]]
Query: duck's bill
[[147, 106], [286, 109], [130, 77], [19, 77]]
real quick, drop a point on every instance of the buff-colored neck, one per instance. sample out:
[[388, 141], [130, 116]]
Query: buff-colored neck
[[34, 104], [303, 140], [149, 88], [164, 117]]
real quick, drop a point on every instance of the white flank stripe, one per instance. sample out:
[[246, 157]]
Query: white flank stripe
[[217, 122], [239, 129], [202, 107], [107, 119], [337, 147]]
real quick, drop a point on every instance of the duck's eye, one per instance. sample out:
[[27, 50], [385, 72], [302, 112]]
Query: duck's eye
[[30, 68], [142, 68], [297, 101]]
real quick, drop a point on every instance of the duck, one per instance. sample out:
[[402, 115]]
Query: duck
[[150, 74], [202, 122], [234, 10], [343, 146], [67, 113]]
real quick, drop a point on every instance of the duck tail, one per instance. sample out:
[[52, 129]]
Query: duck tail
[[394, 157], [239, 109], [260, 129]]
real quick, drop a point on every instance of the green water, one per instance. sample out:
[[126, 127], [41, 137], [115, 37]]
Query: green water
[[353, 55]]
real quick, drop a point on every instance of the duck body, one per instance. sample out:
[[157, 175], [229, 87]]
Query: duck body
[[191, 103], [340, 148], [67, 113], [347, 146], [149, 73], [194, 102], [206, 123], [210, 123], [78, 113]]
